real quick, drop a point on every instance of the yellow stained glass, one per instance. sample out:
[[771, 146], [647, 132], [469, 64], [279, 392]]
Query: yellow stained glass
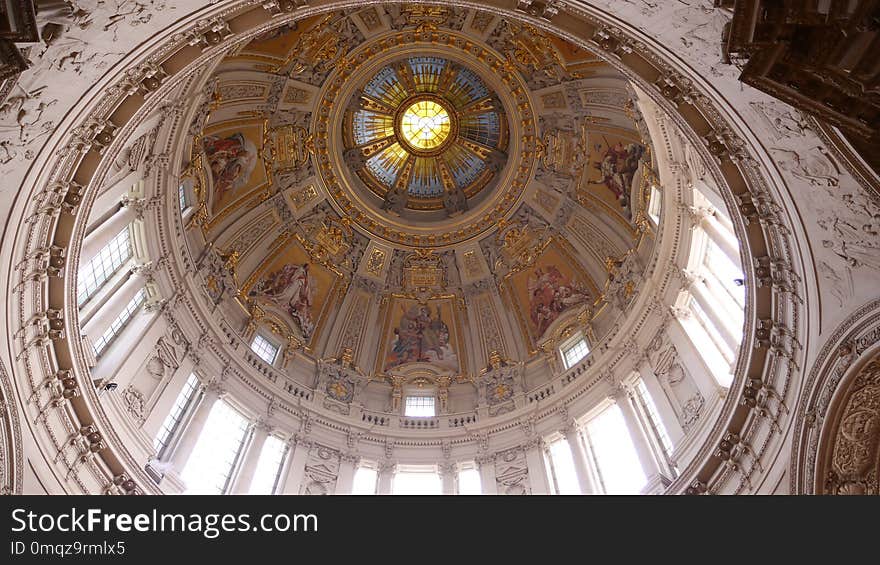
[[425, 125]]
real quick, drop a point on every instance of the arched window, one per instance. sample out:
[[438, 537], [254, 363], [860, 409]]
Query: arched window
[[417, 480], [269, 465], [469, 481], [103, 266], [715, 296], [654, 204], [560, 464], [175, 418], [654, 424], [574, 349], [366, 478], [120, 322], [265, 349], [612, 453], [218, 451], [420, 405]]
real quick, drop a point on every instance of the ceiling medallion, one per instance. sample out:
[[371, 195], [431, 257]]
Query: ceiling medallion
[[424, 138]]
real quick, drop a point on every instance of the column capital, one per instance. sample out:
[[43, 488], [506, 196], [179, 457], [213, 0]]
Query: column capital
[[387, 466], [350, 457], [485, 459], [299, 439], [569, 429], [216, 388], [447, 468], [679, 312], [262, 424], [690, 278], [534, 443]]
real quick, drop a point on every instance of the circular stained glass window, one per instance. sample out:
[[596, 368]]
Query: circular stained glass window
[[425, 125]]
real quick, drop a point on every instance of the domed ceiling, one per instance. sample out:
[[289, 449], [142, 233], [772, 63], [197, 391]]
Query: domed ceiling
[[418, 187]]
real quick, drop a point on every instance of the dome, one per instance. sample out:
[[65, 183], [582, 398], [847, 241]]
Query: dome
[[340, 245]]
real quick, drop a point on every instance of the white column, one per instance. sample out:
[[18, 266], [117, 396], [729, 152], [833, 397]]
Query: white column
[[701, 294], [725, 240], [386, 476], [580, 459], [646, 456], [664, 408], [447, 475], [488, 482], [537, 471], [165, 399], [251, 458], [112, 308], [296, 469], [692, 360], [190, 436], [104, 233], [345, 477]]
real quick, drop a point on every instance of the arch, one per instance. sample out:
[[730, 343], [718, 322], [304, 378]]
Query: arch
[[60, 188]]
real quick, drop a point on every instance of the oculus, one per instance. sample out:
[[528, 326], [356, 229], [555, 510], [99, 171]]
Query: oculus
[[426, 134]]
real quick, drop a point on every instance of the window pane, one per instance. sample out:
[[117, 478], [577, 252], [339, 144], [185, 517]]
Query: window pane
[[563, 468], [181, 197], [575, 352], [654, 204], [615, 455], [265, 349], [169, 426], [365, 481], [217, 450], [417, 482], [268, 466], [120, 322], [469, 481], [102, 266], [419, 406]]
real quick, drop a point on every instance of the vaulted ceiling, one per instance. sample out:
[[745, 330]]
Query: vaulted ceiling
[[420, 155]]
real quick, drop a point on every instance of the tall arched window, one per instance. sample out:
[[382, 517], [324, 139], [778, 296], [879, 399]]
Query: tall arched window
[[612, 453], [269, 465], [218, 452], [366, 478], [714, 299]]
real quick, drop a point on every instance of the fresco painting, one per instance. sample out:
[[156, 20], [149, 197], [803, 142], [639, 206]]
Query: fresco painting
[[234, 160], [421, 333], [547, 289], [294, 287]]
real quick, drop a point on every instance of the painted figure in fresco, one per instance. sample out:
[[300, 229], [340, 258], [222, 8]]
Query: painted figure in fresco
[[618, 167], [550, 294], [421, 338], [232, 160], [291, 288]]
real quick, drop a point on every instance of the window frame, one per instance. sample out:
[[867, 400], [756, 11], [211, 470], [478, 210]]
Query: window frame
[[655, 204], [245, 426], [268, 344], [282, 460], [180, 420], [403, 470], [118, 325], [570, 344], [419, 395], [374, 468], [601, 475], [468, 467], [107, 255]]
